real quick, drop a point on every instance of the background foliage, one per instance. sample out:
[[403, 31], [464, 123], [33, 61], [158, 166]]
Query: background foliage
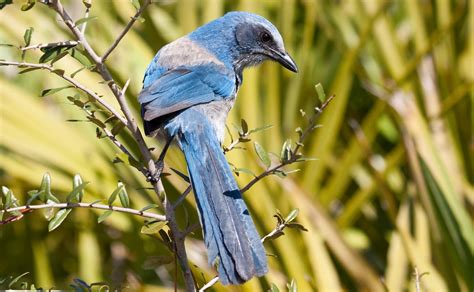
[[391, 189]]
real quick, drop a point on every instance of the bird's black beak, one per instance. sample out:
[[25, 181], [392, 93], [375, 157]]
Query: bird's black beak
[[285, 60]]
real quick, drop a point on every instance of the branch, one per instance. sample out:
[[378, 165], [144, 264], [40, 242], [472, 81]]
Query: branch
[[133, 127], [125, 30], [294, 153], [24, 209], [75, 83], [47, 45]]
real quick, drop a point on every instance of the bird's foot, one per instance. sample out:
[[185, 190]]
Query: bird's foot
[[155, 177]]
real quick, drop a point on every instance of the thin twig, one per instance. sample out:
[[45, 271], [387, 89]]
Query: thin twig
[[86, 14], [125, 30], [182, 197], [74, 82], [294, 153], [87, 206]]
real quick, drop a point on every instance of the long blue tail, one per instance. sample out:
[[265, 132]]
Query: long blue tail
[[229, 232]]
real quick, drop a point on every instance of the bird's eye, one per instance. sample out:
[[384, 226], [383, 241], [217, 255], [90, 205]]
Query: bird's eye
[[265, 37]]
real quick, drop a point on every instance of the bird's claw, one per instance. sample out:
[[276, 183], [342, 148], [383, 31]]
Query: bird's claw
[[155, 177]]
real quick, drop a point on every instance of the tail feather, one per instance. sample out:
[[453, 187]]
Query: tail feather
[[229, 232]]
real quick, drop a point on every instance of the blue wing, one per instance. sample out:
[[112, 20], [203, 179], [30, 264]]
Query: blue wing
[[183, 87]]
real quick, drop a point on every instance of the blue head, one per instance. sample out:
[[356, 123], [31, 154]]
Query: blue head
[[243, 39]]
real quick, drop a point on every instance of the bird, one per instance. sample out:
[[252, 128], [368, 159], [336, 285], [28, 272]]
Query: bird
[[188, 90]]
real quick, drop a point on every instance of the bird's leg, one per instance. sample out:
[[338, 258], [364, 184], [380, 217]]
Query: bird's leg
[[160, 163]]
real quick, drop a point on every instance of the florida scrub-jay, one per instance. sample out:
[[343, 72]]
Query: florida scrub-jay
[[188, 90]]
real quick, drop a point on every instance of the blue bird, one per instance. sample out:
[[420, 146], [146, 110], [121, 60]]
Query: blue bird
[[188, 90]]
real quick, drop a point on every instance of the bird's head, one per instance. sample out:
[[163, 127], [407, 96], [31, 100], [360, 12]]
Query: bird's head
[[259, 40]]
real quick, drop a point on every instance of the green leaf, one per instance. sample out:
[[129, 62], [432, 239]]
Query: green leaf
[[285, 153], [320, 91], [81, 57], [50, 91], [148, 207], [292, 215], [33, 196], [28, 5], [45, 188], [73, 74], [182, 175], [154, 262], [245, 127], [292, 287], [28, 70], [117, 128], [85, 19], [27, 36], [104, 216], [244, 170], [87, 3], [260, 129], [274, 288], [114, 194], [96, 121], [58, 219], [51, 53], [298, 226], [123, 196], [135, 4], [4, 3], [75, 196], [153, 227], [262, 154]]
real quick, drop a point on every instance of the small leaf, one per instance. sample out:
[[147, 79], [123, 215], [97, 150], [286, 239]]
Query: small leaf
[[148, 207], [274, 288], [296, 226], [59, 72], [28, 70], [96, 121], [123, 196], [285, 153], [260, 129], [81, 57], [104, 216], [117, 128], [320, 91], [244, 170], [154, 262], [59, 57], [4, 3], [85, 19], [82, 283], [262, 154], [245, 127], [48, 213], [292, 215], [114, 194], [182, 175], [73, 74], [75, 196], [135, 4], [51, 53], [58, 219], [33, 196], [45, 188], [28, 5], [154, 227], [87, 3], [27, 36], [50, 91]]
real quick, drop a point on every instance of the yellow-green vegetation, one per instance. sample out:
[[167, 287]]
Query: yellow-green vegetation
[[389, 194]]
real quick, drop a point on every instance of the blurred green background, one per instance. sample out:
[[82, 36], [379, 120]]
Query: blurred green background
[[391, 189]]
